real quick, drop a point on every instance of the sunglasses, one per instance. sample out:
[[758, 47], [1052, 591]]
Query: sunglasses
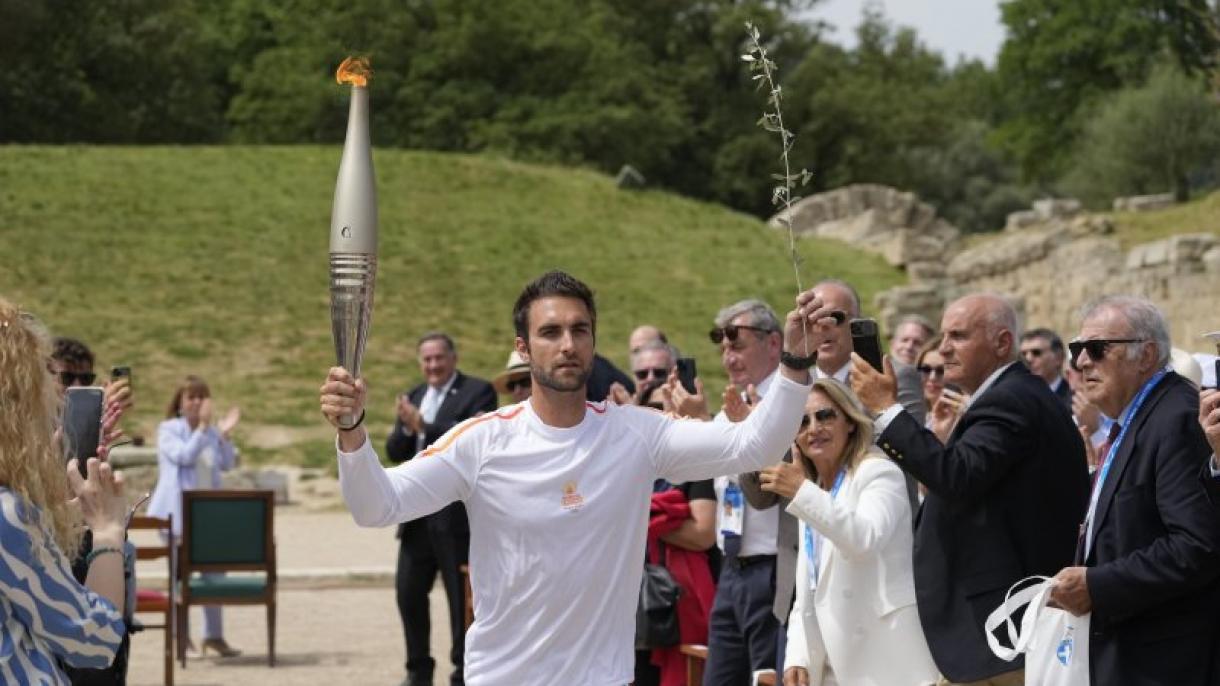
[[929, 370], [1096, 347], [824, 415], [658, 372], [731, 332], [1032, 352], [514, 384], [69, 379]]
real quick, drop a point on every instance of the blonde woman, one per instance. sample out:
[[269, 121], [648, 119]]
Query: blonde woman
[[854, 621], [47, 618]]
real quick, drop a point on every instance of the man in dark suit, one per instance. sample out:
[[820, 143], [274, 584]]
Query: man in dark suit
[[1005, 492], [441, 541], [1042, 351], [1151, 540]]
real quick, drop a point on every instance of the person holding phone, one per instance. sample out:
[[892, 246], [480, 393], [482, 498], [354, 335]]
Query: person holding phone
[[192, 451], [51, 620]]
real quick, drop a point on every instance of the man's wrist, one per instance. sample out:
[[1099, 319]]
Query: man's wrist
[[798, 362]]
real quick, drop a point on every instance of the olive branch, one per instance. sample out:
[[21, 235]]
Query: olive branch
[[773, 120]]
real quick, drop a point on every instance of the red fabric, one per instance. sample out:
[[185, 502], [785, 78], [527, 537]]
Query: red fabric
[[690, 570]]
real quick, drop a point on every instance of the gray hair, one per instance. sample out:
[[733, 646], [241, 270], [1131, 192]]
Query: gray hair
[[1144, 318], [917, 319], [760, 315], [656, 344], [855, 297]]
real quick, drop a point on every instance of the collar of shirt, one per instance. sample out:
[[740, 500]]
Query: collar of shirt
[[1056, 384], [840, 375], [444, 388], [987, 383]]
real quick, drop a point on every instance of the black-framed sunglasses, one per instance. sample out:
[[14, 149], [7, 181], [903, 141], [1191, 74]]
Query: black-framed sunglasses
[[513, 384], [658, 372], [69, 379], [1096, 347], [930, 370], [731, 332], [824, 415]]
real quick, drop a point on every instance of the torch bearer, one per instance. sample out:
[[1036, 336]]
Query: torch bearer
[[353, 230]]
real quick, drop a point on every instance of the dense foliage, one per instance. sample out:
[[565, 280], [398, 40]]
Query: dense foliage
[[603, 83]]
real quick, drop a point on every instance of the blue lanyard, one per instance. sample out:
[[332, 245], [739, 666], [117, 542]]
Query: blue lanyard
[[812, 541], [1109, 458]]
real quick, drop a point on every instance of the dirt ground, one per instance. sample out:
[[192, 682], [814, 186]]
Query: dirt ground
[[337, 622]]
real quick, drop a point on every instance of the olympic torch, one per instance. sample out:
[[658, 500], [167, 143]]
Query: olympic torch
[[353, 229]]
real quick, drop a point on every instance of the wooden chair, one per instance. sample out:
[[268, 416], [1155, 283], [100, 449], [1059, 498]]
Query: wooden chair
[[696, 657], [156, 600], [227, 531]]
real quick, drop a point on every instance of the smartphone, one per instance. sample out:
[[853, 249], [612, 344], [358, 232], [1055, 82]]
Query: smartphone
[[866, 341], [687, 373], [82, 423], [123, 372], [1217, 370]]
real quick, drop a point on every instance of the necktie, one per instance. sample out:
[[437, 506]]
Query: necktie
[[1104, 451]]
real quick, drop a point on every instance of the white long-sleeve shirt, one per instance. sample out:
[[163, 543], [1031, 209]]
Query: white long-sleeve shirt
[[558, 518]]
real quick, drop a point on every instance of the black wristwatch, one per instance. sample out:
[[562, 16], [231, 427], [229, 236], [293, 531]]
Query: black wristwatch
[[797, 362]]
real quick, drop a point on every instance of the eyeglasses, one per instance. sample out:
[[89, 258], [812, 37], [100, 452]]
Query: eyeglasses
[[731, 332], [1032, 352], [514, 384], [1096, 347], [69, 379], [824, 415], [658, 372], [929, 370]]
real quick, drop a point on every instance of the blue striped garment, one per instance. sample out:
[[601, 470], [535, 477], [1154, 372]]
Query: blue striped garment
[[44, 612]]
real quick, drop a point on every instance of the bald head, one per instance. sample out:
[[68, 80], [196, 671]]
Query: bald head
[[980, 334], [643, 334]]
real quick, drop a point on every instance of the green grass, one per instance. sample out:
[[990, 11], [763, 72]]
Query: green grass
[[212, 260]]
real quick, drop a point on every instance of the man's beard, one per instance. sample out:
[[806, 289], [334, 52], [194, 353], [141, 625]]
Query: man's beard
[[547, 380]]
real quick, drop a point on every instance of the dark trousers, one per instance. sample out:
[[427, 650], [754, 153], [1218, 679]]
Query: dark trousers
[[421, 554], [742, 629]]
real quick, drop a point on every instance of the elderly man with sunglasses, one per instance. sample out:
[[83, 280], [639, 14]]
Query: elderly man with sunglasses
[[1148, 559], [1005, 492]]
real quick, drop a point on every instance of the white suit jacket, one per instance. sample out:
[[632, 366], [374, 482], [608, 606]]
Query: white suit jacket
[[178, 451], [862, 620]]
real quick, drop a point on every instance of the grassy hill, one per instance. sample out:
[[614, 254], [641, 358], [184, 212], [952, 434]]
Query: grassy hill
[[212, 260]]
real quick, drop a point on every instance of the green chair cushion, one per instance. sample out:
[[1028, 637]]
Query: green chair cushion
[[227, 586]]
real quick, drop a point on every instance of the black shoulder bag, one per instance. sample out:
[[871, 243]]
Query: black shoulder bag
[[656, 618]]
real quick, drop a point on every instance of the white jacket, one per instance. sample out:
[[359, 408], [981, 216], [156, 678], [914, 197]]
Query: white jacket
[[178, 452], [862, 618]]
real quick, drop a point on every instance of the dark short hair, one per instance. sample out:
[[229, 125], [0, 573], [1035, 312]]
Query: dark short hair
[[551, 284], [71, 352], [191, 385], [1055, 341], [436, 336]]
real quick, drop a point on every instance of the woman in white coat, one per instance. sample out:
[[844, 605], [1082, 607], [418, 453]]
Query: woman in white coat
[[191, 454], [855, 621]]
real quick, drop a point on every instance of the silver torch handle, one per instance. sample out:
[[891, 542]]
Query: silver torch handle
[[353, 241]]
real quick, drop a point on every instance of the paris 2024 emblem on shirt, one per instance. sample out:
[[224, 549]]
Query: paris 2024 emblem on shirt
[[572, 499]]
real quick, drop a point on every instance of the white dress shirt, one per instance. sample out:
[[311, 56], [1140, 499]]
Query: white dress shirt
[[760, 528]]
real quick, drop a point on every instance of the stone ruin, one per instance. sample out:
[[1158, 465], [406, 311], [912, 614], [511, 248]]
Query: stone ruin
[[1051, 259]]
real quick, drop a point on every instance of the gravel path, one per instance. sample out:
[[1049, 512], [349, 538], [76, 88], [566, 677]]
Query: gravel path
[[337, 622]]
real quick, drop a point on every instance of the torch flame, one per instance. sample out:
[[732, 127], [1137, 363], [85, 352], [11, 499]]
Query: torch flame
[[354, 70]]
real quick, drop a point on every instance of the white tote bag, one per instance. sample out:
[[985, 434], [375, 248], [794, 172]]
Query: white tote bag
[[1055, 642]]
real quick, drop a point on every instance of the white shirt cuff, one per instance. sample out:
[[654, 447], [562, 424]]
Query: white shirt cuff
[[1214, 466], [883, 422]]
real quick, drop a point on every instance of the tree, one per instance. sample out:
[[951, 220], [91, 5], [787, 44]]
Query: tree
[[1060, 57], [1147, 139]]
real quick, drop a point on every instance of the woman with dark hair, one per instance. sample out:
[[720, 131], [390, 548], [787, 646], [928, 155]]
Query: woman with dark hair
[[47, 618], [191, 453]]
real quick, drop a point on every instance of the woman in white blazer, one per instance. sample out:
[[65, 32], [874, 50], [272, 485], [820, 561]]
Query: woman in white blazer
[[191, 453], [854, 622]]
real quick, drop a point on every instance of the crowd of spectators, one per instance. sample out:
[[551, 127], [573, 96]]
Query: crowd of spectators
[[915, 496]]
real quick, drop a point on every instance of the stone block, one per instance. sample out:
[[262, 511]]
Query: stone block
[[1143, 203], [1050, 208], [1020, 220]]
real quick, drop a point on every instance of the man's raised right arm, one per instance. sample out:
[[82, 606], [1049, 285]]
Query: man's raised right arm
[[377, 496]]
